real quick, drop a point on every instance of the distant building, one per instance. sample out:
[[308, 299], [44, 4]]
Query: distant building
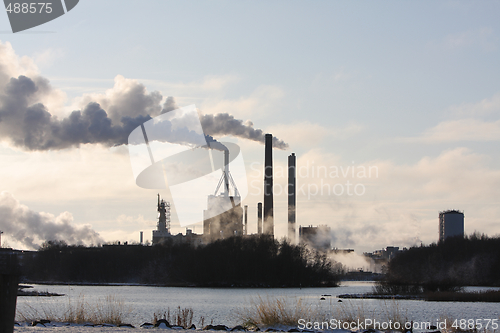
[[380, 258], [451, 224], [317, 237]]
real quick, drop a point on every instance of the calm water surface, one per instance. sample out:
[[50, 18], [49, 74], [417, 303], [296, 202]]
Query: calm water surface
[[221, 306]]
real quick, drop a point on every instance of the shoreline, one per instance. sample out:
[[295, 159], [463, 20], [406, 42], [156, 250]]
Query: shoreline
[[488, 296], [173, 285]]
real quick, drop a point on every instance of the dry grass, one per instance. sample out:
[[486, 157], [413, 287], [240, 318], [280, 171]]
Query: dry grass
[[393, 312], [275, 311], [272, 312], [348, 312], [108, 310], [181, 317]]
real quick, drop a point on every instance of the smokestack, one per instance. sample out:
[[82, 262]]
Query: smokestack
[[259, 218], [291, 197], [140, 237], [246, 220], [268, 187]]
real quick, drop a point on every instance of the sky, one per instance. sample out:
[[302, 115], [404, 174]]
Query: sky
[[392, 108]]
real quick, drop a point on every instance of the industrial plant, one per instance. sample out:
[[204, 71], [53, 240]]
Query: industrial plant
[[225, 216]]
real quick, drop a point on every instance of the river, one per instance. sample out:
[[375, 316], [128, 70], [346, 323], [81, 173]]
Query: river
[[221, 306]]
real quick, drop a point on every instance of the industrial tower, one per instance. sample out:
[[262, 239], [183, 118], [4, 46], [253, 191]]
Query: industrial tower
[[162, 231]]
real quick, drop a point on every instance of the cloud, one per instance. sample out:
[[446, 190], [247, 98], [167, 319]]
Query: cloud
[[400, 202], [127, 98], [132, 221], [260, 102], [482, 38], [31, 228], [307, 134], [487, 106], [11, 65], [456, 175], [460, 130], [48, 57]]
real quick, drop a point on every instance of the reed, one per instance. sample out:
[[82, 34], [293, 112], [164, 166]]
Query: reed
[[107, 310], [276, 311], [181, 317]]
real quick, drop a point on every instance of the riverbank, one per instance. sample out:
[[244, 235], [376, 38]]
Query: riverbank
[[457, 296]]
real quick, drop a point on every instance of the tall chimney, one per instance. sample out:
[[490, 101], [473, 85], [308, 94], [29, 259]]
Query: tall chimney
[[259, 218], [291, 197], [268, 187], [246, 220], [141, 237]]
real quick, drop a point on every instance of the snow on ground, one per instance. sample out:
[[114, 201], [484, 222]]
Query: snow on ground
[[87, 329], [73, 329]]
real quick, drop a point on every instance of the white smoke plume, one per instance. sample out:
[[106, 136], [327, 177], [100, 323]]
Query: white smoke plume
[[226, 124], [32, 228]]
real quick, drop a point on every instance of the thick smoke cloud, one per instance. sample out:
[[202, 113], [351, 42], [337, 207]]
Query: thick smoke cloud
[[31, 228], [107, 119], [29, 125]]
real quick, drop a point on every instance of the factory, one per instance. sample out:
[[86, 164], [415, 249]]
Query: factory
[[225, 216], [229, 223], [318, 237]]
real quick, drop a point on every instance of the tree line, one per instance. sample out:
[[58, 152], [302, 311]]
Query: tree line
[[449, 265], [254, 261]]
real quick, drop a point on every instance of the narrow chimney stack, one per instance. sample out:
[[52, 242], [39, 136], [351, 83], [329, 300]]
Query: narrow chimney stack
[[291, 197], [259, 218], [246, 220], [268, 187]]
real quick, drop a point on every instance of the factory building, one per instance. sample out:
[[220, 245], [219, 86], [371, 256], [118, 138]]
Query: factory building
[[227, 224], [217, 225], [317, 237], [451, 224]]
